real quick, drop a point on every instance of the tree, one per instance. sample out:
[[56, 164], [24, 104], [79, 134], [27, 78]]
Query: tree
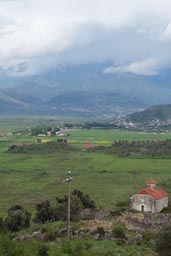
[[18, 218], [85, 199], [163, 242], [44, 212], [61, 208]]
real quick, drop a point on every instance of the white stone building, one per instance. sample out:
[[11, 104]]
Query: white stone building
[[149, 199]]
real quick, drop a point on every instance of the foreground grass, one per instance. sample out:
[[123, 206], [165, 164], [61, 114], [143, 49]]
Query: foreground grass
[[69, 248]]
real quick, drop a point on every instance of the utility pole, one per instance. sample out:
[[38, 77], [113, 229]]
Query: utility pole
[[68, 180]]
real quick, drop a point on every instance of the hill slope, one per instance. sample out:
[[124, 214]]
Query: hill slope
[[100, 102], [9, 104], [158, 112]]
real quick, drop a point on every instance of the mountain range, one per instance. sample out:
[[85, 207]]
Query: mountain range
[[82, 89]]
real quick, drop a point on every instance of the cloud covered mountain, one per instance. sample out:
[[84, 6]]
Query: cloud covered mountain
[[151, 89], [55, 89]]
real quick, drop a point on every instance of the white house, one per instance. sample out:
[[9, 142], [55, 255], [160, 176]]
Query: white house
[[149, 199]]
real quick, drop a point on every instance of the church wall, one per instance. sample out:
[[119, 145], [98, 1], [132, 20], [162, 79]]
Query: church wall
[[144, 203], [161, 203]]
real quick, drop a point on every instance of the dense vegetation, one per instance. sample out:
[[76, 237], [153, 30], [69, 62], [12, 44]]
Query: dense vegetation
[[18, 218], [73, 247], [40, 148], [145, 149], [46, 212], [163, 241]]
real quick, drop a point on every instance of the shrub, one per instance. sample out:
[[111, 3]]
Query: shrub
[[44, 212], [163, 242], [18, 218], [85, 199], [118, 232], [121, 206], [7, 247], [60, 211], [75, 248]]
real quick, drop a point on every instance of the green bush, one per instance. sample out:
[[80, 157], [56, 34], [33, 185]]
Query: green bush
[[44, 212], [18, 218], [118, 232], [60, 211], [147, 236], [76, 248], [26, 248], [163, 242], [85, 199]]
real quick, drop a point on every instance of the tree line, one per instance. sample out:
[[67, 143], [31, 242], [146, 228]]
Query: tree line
[[152, 148], [19, 218]]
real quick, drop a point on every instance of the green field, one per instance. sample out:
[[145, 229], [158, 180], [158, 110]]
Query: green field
[[107, 137], [29, 178]]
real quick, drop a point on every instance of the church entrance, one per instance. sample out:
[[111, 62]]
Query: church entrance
[[142, 208]]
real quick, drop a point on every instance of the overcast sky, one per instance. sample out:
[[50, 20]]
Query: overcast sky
[[133, 35]]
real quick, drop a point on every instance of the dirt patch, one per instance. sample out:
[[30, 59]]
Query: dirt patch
[[88, 145]]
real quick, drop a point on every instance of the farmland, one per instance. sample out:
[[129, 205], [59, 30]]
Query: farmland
[[27, 178]]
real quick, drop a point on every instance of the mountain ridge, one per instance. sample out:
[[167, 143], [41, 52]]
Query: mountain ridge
[[74, 103], [38, 91]]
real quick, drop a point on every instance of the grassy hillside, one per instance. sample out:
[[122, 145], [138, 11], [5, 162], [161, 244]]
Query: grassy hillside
[[160, 112], [95, 101]]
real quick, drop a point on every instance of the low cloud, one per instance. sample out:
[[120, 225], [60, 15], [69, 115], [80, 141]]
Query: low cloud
[[37, 35], [148, 67]]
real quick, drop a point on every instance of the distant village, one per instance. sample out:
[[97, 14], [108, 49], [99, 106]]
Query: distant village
[[155, 125], [48, 131], [60, 133]]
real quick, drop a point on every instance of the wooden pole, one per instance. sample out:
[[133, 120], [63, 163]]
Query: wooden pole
[[68, 180], [69, 209]]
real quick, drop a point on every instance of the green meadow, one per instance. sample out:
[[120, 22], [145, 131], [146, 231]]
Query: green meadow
[[107, 137], [29, 178]]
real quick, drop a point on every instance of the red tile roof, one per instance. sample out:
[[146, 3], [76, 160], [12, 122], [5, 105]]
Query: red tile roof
[[157, 193], [151, 182]]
